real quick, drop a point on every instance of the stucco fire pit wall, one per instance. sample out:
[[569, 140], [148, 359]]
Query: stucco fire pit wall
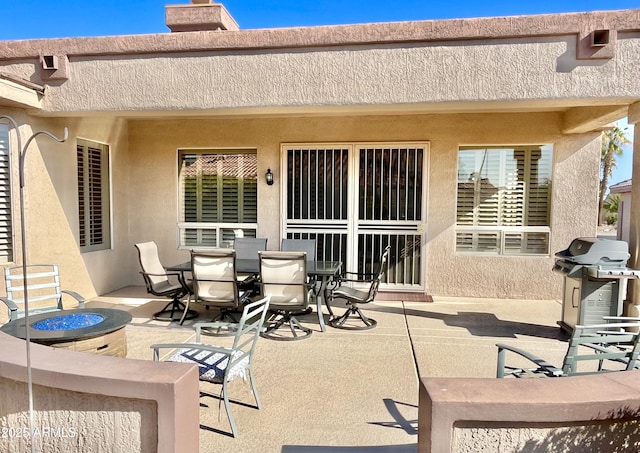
[[572, 414], [84, 402]]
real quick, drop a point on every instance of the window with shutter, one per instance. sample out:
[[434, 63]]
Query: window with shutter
[[218, 196], [93, 196], [6, 224], [503, 200]]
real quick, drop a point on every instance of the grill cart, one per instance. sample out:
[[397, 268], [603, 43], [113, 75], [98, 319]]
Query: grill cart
[[595, 282]]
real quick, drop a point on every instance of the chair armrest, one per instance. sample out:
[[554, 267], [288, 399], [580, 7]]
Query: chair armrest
[[542, 364], [621, 318], [203, 347], [612, 354], [76, 296], [168, 274], [309, 285], [13, 308]]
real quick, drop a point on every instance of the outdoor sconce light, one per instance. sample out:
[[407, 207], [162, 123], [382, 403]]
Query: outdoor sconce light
[[269, 177]]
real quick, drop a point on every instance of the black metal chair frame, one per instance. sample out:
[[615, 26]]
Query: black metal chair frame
[[175, 309], [354, 296]]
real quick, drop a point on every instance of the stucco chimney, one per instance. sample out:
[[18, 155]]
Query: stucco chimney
[[200, 15]]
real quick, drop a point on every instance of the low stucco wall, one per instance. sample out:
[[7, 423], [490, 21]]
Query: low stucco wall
[[573, 414], [87, 402]]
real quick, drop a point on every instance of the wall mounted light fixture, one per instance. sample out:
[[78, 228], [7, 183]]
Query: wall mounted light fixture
[[269, 177]]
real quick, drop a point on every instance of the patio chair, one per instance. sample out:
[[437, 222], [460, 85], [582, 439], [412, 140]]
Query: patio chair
[[308, 246], [247, 249], [353, 297], [220, 365], [300, 245], [283, 276], [215, 282], [161, 283], [613, 343], [44, 290]]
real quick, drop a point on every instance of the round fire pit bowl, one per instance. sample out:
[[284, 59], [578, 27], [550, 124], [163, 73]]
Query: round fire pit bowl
[[97, 330]]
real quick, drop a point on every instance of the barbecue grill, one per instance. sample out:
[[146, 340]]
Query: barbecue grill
[[595, 282]]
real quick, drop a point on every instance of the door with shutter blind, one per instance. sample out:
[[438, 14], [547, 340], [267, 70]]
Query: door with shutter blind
[[355, 199]]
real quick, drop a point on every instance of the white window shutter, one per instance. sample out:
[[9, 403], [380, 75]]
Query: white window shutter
[[218, 194], [503, 200], [6, 225], [93, 196]]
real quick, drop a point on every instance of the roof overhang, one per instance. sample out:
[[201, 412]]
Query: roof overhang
[[15, 92]]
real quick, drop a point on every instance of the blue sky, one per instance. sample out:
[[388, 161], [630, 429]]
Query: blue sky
[[30, 19]]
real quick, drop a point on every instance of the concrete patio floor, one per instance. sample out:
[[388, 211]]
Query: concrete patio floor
[[351, 391]]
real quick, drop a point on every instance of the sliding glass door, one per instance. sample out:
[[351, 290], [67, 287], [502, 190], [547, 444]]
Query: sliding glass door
[[355, 199]]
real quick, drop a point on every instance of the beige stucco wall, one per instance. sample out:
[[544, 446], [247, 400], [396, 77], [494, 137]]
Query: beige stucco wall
[[72, 421], [597, 436], [51, 201], [144, 190], [153, 180], [50, 182], [540, 70]]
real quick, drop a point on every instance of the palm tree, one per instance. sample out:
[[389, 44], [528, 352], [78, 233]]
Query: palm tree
[[610, 206], [612, 147]]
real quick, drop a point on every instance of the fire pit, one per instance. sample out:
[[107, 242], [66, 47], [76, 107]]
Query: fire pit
[[97, 330]]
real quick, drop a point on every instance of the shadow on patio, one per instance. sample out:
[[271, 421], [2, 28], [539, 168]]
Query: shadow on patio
[[481, 324], [344, 391]]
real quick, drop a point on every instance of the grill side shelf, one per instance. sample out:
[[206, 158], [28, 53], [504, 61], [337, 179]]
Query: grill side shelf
[[611, 273]]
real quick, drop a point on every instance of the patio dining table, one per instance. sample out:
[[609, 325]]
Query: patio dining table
[[321, 271]]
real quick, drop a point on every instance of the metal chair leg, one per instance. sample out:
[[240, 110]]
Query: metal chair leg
[[227, 407], [175, 311], [352, 310], [294, 326], [253, 388]]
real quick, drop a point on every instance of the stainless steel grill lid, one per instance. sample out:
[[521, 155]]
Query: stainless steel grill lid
[[594, 251]]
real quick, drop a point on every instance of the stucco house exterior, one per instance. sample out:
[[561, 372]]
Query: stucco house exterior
[[471, 146]]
